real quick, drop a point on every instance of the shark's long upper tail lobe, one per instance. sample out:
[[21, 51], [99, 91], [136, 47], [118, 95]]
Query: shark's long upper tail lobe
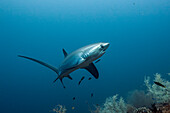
[[40, 62], [44, 64]]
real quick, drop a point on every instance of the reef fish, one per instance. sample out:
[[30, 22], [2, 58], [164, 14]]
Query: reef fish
[[159, 84]]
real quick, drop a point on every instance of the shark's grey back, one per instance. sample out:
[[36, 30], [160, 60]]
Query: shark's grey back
[[75, 58]]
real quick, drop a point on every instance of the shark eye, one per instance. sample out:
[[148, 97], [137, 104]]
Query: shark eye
[[102, 46]]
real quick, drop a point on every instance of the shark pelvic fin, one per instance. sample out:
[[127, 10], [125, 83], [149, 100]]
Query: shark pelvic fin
[[64, 52], [62, 82], [69, 77]]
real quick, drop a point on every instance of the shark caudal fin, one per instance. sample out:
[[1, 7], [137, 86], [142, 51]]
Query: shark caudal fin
[[45, 64], [40, 62]]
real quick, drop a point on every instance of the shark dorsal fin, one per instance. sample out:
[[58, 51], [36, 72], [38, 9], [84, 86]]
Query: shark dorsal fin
[[65, 53]]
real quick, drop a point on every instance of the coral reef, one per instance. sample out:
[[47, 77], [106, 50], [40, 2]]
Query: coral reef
[[155, 100], [159, 94], [112, 105], [163, 107], [59, 109], [97, 109], [142, 110], [139, 98]]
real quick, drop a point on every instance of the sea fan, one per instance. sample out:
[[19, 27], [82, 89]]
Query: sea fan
[[59, 109], [160, 94], [112, 105]]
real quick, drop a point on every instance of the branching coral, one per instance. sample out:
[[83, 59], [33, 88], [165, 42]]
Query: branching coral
[[112, 105], [59, 109], [160, 94], [140, 99], [97, 109]]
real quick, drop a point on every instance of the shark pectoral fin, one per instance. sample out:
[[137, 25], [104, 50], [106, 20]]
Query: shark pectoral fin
[[93, 70], [65, 53], [69, 77]]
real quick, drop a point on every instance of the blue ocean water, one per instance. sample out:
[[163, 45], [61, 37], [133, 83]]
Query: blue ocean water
[[138, 32]]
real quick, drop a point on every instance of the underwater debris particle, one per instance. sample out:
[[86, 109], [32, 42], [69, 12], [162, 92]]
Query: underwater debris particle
[[89, 78], [91, 94], [73, 108], [74, 98]]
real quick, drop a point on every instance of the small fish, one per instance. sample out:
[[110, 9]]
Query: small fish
[[134, 3], [73, 108], [81, 80], [91, 94], [97, 60], [159, 84], [74, 98], [89, 78]]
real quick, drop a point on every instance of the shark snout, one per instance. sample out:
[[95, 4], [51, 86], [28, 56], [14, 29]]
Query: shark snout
[[106, 45]]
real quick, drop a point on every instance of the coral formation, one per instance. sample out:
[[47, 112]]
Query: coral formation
[[112, 105], [159, 94], [163, 107], [155, 100], [97, 109], [59, 109], [139, 98], [142, 110]]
